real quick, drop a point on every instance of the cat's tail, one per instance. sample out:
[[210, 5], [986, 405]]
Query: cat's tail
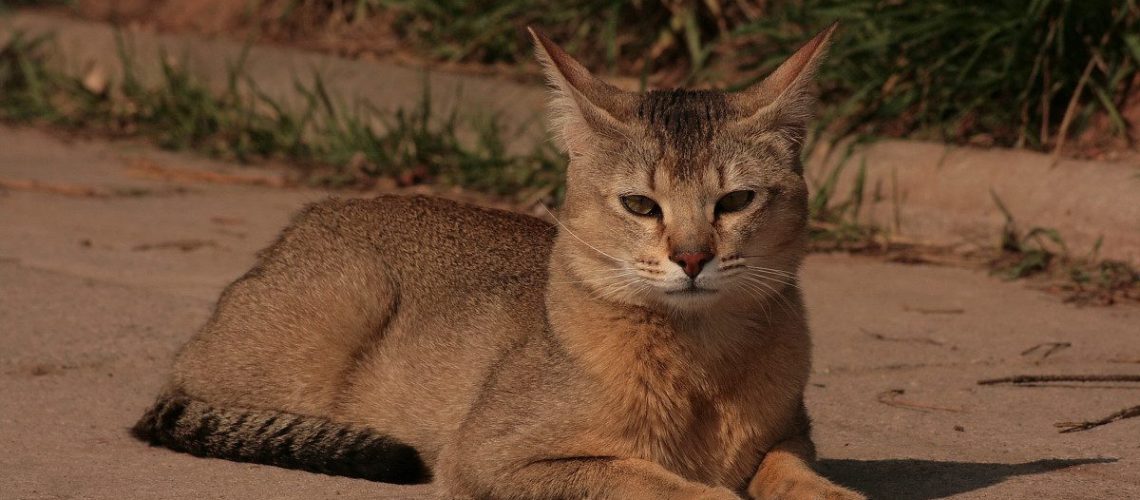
[[282, 439]]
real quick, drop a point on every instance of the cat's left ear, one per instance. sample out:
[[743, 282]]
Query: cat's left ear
[[783, 101]]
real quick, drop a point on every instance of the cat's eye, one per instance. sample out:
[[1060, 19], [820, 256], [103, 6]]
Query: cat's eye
[[734, 201], [640, 205]]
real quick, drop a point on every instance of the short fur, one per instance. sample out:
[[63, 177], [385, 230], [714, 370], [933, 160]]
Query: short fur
[[524, 360], [281, 439]]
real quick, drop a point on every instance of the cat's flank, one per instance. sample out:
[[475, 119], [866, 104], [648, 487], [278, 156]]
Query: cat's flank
[[650, 344]]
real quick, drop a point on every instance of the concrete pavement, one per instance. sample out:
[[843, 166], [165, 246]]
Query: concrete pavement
[[104, 273]]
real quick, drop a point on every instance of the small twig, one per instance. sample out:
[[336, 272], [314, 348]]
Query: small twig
[[1036, 379], [144, 168], [1125, 360], [927, 310], [1071, 110], [53, 188], [886, 338], [1084, 426], [1052, 348], [890, 398], [187, 245]]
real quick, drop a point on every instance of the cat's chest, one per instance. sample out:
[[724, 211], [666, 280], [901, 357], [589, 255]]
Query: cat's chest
[[706, 425], [703, 399]]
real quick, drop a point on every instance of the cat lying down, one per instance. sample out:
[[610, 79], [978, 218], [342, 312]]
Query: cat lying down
[[649, 344]]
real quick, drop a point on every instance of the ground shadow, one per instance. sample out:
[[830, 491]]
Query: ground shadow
[[910, 479]]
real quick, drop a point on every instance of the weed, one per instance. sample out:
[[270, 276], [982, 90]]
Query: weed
[[605, 33], [1015, 70], [1041, 252], [338, 144], [835, 222], [1025, 73]]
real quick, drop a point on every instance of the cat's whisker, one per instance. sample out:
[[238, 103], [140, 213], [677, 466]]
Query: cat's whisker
[[759, 296], [602, 278], [571, 233], [774, 279], [601, 274], [747, 257], [778, 278], [602, 291], [640, 289], [614, 291], [595, 272], [783, 301], [772, 296], [588, 280], [772, 272]]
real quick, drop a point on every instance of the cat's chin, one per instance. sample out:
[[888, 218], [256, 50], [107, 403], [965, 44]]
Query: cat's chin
[[694, 291], [691, 298]]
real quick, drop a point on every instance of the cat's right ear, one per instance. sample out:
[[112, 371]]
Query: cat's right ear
[[582, 107]]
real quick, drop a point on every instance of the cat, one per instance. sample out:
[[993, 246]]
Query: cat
[[650, 343]]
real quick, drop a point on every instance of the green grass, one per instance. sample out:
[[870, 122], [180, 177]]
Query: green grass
[[1041, 252], [1009, 72], [601, 32], [339, 143], [1022, 72], [348, 145]]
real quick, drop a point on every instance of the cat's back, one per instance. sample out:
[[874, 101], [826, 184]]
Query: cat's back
[[434, 245]]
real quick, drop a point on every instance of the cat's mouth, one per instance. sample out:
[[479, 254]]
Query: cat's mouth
[[692, 289]]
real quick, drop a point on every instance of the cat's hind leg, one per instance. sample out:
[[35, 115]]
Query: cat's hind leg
[[288, 334]]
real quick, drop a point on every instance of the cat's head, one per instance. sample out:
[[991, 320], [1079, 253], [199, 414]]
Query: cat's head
[[682, 198]]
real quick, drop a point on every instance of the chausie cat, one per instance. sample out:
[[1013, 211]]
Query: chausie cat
[[652, 344]]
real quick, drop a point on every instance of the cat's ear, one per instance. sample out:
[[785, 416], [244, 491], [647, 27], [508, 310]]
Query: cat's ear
[[582, 107], [784, 99]]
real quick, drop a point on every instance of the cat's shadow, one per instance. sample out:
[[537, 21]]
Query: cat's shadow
[[911, 479]]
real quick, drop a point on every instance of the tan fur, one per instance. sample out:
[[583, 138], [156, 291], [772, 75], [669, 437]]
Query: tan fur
[[528, 360]]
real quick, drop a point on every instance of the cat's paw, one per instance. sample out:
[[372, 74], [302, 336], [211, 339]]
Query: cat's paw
[[809, 489]]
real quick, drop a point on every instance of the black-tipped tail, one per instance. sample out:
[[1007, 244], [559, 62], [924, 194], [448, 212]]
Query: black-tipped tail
[[282, 439]]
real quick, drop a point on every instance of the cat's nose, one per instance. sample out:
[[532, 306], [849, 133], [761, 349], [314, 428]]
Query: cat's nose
[[692, 262]]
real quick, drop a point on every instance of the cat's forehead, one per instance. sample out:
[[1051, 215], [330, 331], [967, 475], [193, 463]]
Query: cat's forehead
[[684, 124]]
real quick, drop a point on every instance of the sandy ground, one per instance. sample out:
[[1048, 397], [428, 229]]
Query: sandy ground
[[97, 292]]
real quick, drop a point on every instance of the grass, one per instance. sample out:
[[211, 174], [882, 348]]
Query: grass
[[1039, 254], [348, 145], [337, 143], [1026, 73], [1042, 253], [601, 32], [835, 221]]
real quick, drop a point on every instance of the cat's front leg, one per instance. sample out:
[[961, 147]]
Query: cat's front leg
[[786, 474], [588, 477]]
